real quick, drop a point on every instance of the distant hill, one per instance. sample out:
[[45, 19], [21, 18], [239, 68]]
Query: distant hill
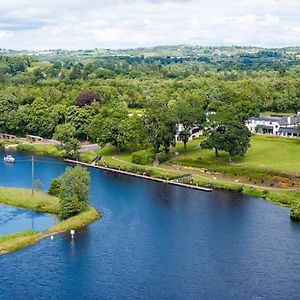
[[179, 51]]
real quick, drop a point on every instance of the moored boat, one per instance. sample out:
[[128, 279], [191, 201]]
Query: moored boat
[[9, 158]]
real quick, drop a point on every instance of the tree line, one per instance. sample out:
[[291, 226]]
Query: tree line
[[97, 99]]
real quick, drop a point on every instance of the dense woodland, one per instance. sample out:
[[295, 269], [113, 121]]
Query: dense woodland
[[91, 94]]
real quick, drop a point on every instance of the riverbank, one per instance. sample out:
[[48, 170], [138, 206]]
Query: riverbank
[[197, 168], [280, 196], [41, 202], [205, 189]]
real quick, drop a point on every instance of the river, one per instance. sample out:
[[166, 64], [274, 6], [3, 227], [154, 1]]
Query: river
[[156, 241]]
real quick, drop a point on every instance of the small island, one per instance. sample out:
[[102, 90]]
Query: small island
[[75, 215]]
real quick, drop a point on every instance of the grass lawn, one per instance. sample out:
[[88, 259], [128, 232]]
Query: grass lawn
[[267, 157], [275, 153], [108, 151], [271, 153], [22, 198]]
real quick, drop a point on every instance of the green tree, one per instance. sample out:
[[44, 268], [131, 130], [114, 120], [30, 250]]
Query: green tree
[[80, 118], [230, 136], [131, 134], [72, 148], [161, 123], [190, 115], [8, 105], [54, 188], [105, 127], [40, 121], [75, 73], [64, 133], [74, 191]]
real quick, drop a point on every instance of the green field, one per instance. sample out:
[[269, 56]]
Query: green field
[[270, 153], [266, 153]]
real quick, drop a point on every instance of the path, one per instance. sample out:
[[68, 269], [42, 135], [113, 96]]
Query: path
[[89, 147], [211, 177]]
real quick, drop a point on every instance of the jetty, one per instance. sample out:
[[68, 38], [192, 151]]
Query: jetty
[[195, 187]]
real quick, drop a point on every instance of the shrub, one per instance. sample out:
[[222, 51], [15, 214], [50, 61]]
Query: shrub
[[54, 187], [162, 157], [295, 210], [25, 147], [143, 157]]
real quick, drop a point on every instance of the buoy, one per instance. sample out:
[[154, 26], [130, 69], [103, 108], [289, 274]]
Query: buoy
[[51, 237]]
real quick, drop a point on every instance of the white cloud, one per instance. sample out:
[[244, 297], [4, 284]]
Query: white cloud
[[77, 24]]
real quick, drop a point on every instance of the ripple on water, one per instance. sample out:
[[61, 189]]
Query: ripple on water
[[157, 241]]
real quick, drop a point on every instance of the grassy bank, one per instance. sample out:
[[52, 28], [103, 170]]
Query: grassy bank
[[41, 202], [47, 149], [268, 170], [270, 163], [23, 198], [15, 241]]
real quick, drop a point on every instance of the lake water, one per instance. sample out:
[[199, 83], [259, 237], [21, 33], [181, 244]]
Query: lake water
[[13, 220], [156, 241]]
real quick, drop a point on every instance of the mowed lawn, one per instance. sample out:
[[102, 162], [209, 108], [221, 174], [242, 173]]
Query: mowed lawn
[[275, 153]]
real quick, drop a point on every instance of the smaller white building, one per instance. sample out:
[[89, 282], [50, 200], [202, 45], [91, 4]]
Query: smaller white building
[[194, 133]]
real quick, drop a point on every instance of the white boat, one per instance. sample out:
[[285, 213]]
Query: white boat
[[9, 158]]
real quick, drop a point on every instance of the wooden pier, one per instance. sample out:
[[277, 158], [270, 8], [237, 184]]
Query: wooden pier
[[204, 189]]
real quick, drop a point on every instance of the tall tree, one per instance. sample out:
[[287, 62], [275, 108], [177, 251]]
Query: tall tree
[[230, 136], [64, 133], [74, 191], [161, 122]]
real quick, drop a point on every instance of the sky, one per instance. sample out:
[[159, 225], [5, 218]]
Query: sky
[[88, 24]]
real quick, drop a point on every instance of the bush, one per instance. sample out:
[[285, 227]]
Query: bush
[[295, 210], [70, 206], [25, 147], [143, 157], [54, 187], [162, 157]]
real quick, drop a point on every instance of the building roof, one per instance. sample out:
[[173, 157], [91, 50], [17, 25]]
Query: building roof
[[281, 120], [295, 120], [288, 130], [267, 118]]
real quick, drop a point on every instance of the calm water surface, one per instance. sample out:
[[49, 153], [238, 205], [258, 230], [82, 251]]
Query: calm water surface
[[157, 242], [13, 220]]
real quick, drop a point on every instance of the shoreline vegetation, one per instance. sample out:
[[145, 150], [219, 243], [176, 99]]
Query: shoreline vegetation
[[256, 174], [41, 202]]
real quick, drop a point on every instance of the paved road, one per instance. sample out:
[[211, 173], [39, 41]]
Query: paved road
[[89, 147]]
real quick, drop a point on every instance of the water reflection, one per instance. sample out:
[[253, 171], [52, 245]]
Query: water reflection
[[13, 220]]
